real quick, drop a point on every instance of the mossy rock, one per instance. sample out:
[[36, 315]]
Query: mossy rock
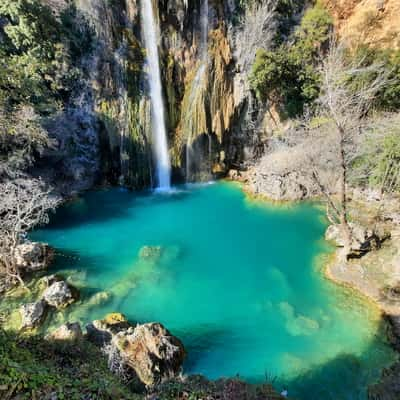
[[114, 318]]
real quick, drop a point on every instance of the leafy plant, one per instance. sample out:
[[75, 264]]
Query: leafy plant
[[288, 74]]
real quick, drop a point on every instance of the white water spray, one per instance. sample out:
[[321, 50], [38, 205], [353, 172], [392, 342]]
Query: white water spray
[[163, 164]]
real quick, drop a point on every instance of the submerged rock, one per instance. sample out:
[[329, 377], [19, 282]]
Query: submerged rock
[[33, 256], [32, 314], [71, 331], [297, 324], [98, 299], [150, 253], [60, 295]]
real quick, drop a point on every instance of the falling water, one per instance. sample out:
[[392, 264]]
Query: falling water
[[163, 164], [197, 82]]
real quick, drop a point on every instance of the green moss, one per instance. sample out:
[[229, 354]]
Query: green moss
[[31, 368]]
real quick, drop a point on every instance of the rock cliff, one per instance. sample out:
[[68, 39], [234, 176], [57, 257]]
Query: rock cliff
[[203, 90]]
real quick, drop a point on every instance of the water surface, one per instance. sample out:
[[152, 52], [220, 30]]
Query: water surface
[[237, 281]]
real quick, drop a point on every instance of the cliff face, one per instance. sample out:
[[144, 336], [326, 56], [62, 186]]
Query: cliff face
[[372, 22], [203, 105]]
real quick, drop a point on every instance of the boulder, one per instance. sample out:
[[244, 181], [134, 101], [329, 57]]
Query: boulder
[[60, 295], [148, 351], [32, 314], [71, 332], [151, 351], [33, 256]]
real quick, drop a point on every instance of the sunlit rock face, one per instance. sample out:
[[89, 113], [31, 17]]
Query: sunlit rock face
[[202, 90]]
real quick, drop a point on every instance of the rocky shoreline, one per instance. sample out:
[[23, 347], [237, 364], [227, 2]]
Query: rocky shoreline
[[374, 271], [372, 274]]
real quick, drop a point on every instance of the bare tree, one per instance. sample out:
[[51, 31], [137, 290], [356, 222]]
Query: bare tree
[[21, 138], [24, 204], [334, 130], [380, 152], [256, 30]]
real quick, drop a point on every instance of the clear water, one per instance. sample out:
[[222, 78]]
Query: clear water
[[237, 281]]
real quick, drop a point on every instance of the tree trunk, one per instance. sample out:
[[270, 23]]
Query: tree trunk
[[347, 235]]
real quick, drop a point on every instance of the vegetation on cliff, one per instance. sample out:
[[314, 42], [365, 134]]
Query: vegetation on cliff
[[40, 69], [39, 54], [31, 368], [288, 74]]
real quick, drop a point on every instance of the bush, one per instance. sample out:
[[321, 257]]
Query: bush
[[388, 98], [288, 74], [378, 161], [31, 368], [39, 53]]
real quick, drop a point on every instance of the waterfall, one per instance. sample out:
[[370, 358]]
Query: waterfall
[[163, 164], [198, 80]]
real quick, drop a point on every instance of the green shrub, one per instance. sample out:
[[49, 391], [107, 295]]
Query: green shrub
[[388, 98], [288, 74], [39, 53], [31, 368], [378, 162]]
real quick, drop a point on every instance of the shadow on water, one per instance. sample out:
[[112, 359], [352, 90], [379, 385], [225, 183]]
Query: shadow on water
[[199, 340], [68, 260], [346, 377], [110, 204]]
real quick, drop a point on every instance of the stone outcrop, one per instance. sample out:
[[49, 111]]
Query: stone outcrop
[[149, 351], [364, 239], [33, 256], [372, 22], [69, 332], [60, 295], [199, 94], [32, 314], [290, 186]]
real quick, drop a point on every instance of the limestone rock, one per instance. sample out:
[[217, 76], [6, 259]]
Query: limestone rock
[[68, 332], [364, 239], [151, 351], [101, 331], [32, 314], [148, 351], [59, 295], [33, 256]]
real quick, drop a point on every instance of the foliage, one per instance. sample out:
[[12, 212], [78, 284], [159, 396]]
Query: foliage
[[33, 368], [378, 161], [289, 73], [21, 138], [196, 387], [287, 11], [39, 53], [388, 98]]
